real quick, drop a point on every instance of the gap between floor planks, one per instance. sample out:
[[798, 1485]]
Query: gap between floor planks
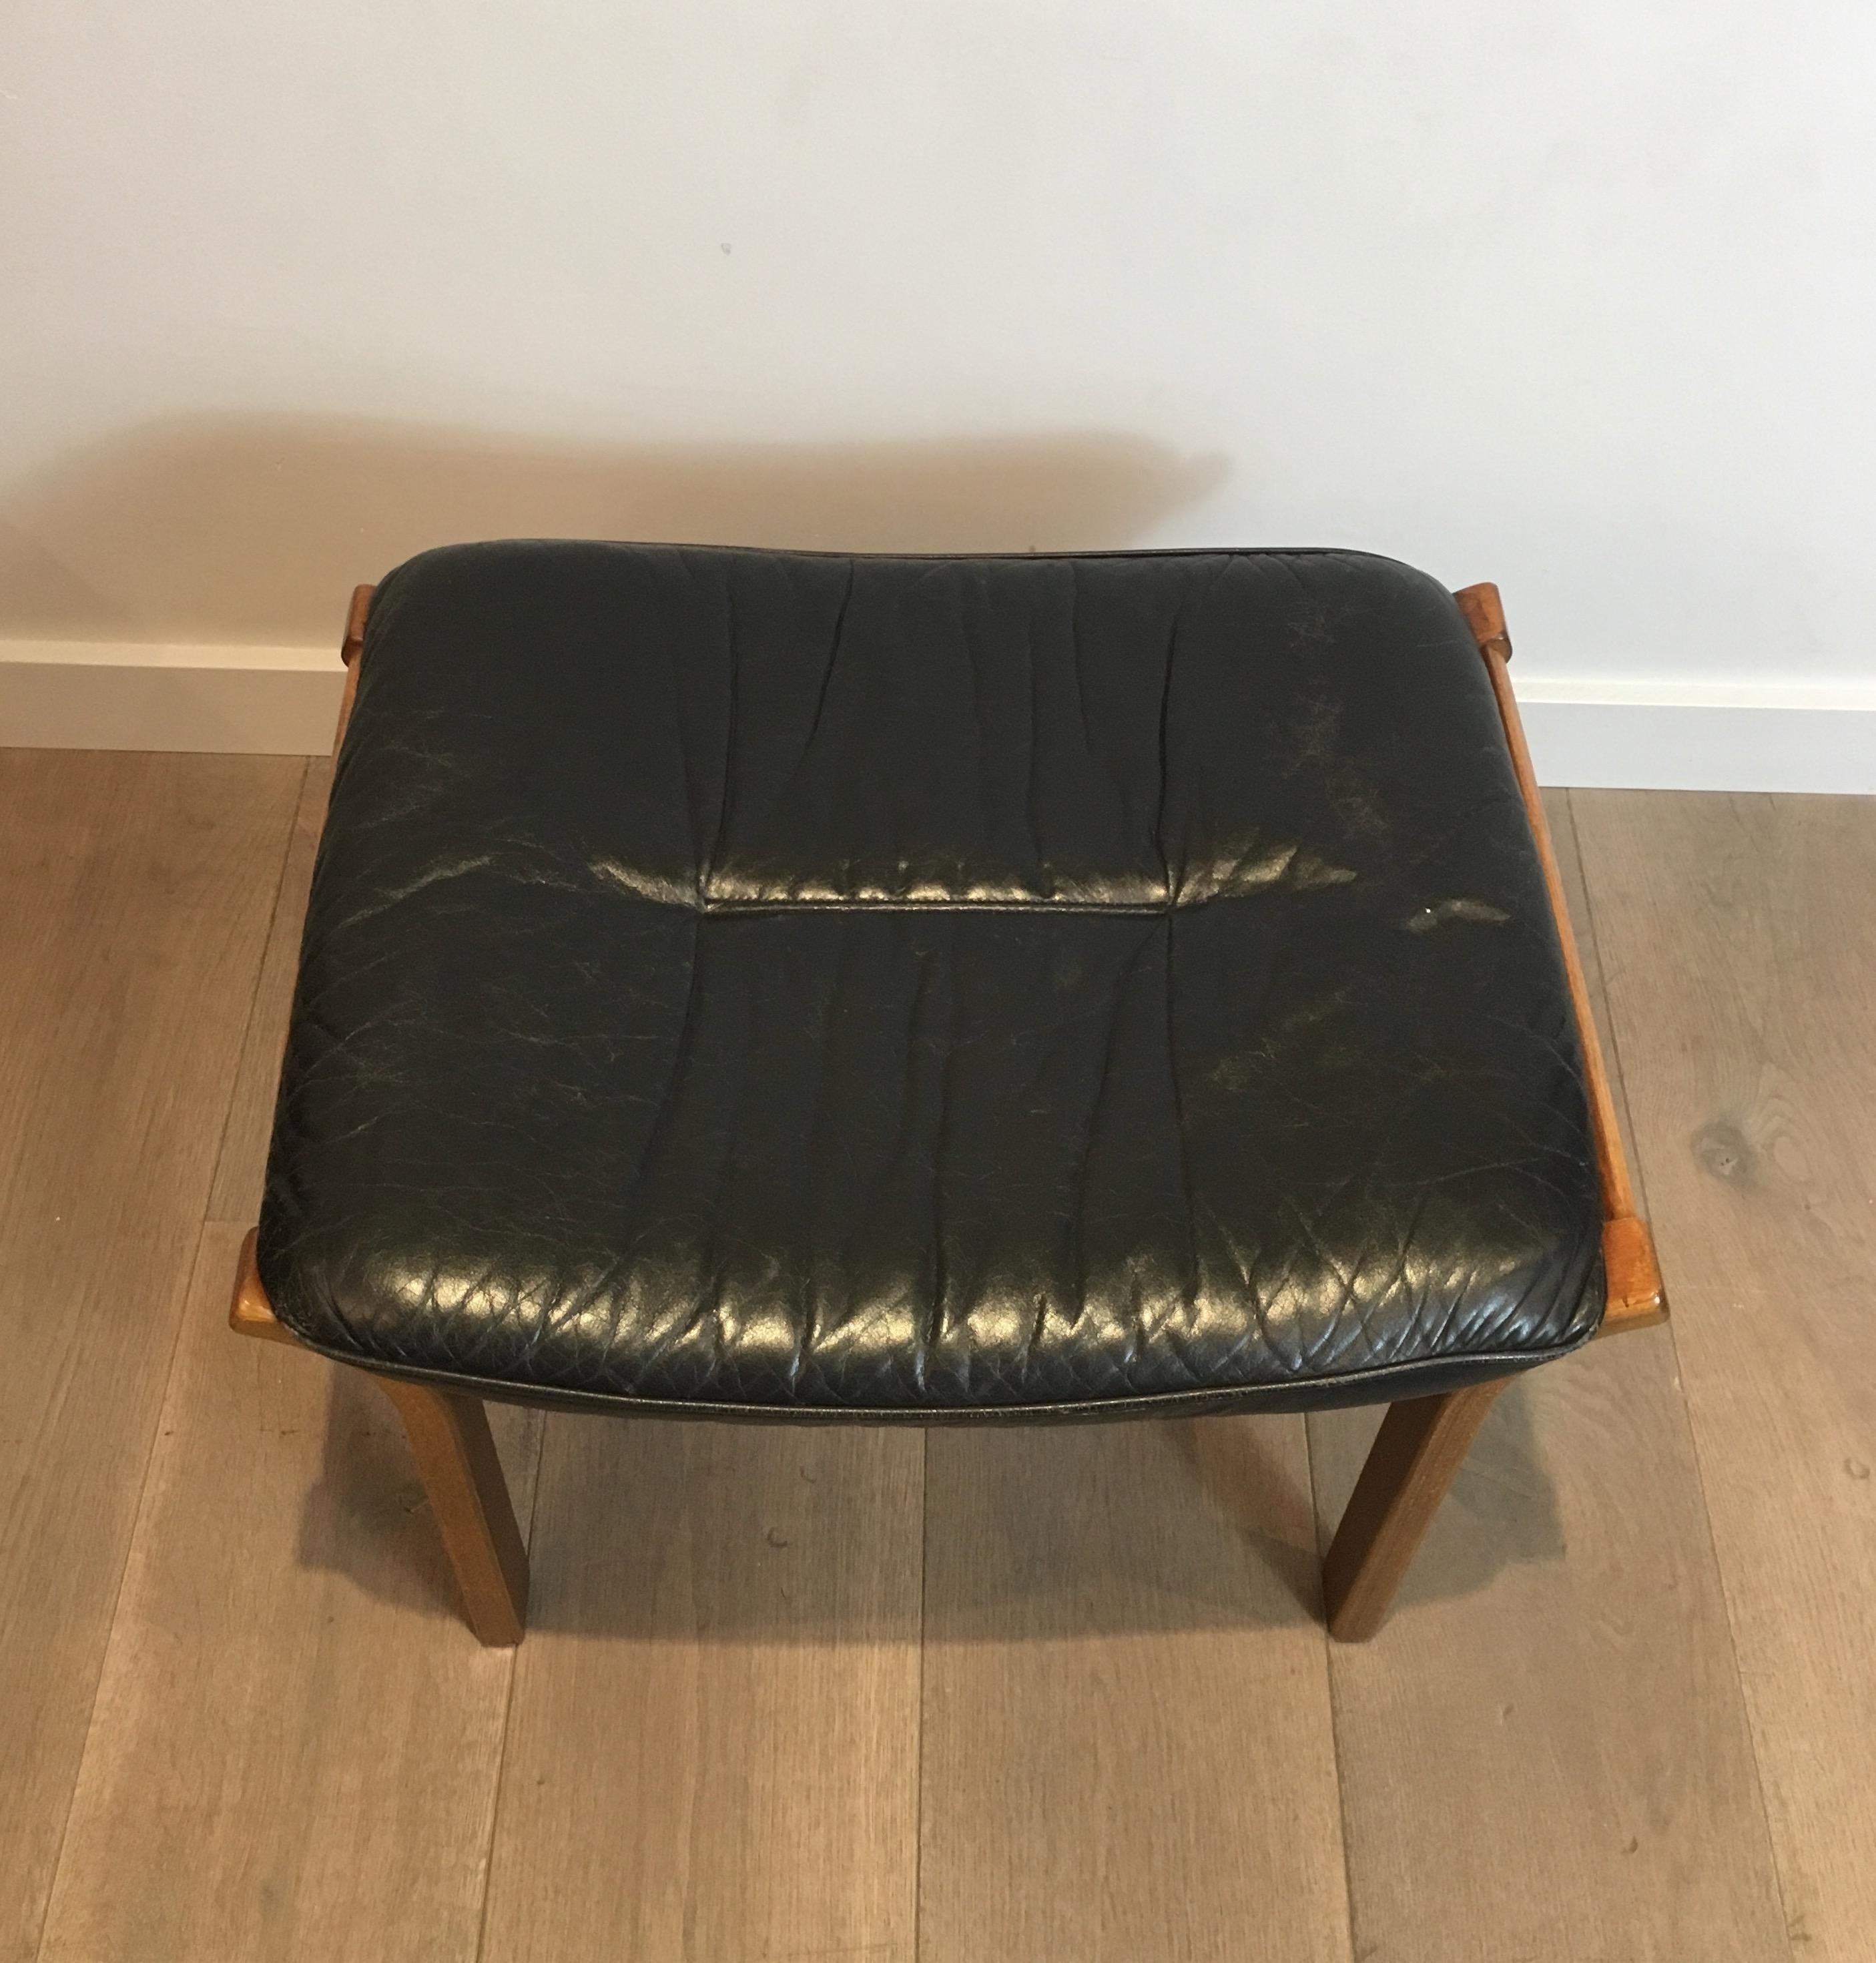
[[1751, 1029], [135, 890], [286, 1690]]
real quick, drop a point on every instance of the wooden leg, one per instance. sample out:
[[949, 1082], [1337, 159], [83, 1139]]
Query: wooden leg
[[456, 1456], [456, 1459], [1421, 1444]]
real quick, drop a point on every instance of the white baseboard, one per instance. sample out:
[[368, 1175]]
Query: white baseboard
[[105, 695], [1745, 736], [1700, 736]]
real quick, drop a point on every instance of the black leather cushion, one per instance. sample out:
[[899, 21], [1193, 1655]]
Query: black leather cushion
[[772, 983]]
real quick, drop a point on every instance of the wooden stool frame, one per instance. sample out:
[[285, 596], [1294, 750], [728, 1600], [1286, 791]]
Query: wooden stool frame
[[1422, 1442]]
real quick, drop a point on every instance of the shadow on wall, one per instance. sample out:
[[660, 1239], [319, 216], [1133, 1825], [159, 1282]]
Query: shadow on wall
[[254, 529]]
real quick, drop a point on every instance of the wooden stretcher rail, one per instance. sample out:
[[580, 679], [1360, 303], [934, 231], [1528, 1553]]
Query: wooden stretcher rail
[[1635, 1295]]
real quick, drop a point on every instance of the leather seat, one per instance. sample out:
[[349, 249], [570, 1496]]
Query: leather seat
[[769, 983]]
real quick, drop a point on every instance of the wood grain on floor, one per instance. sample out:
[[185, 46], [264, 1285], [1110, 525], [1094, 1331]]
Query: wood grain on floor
[[996, 1695], [1127, 1751], [235, 1194], [296, 1742], [1739, 939], [713, 1750], [134, 892]]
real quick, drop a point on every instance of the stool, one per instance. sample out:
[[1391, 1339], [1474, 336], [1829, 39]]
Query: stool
[[783, 986]]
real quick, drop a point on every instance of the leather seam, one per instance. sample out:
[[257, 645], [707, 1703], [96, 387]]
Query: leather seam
[[1483, 1365], [1125, 909]]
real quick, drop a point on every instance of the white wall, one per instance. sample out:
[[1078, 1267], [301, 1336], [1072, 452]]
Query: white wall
[[1578, 295]]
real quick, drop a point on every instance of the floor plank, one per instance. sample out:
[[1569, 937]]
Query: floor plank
[[1545, 1753], [241, 1163], [295, 1744], [712, 1752], [1128, 1752], [1739, 935], [135, 891]]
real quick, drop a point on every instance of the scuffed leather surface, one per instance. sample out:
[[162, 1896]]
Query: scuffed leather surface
[[769, 983]]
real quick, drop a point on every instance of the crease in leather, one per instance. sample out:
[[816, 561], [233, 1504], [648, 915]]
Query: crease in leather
[[773, 983]]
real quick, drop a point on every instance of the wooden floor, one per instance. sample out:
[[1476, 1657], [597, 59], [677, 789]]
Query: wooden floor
[[873, 1696]]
